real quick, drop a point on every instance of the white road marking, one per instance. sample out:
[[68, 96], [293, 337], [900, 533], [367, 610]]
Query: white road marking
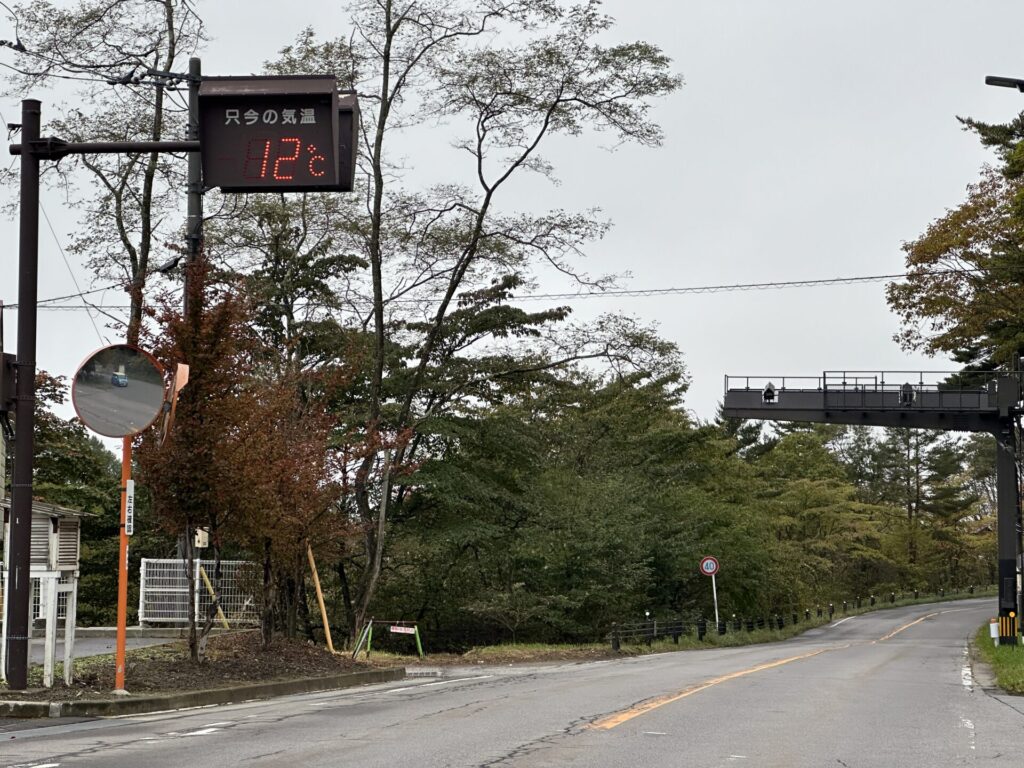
[[201, 732], [965, 671], [215, 725], [455, 680], [655, 733], [427, 685], [404, 689], [743, 757], [837, 623], [965, 723]]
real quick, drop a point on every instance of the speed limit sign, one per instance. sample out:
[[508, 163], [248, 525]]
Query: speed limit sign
[[709, 566]]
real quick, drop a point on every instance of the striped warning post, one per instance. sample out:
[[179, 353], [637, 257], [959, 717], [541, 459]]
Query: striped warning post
[[1008, 629]]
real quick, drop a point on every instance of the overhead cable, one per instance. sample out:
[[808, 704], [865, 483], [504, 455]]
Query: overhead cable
[[624, 292]]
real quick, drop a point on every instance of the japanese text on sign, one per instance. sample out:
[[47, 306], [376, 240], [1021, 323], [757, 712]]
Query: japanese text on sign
[[305, 116], [129, 508]]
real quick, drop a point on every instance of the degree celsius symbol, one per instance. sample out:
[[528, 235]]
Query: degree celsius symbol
[[709, 566]]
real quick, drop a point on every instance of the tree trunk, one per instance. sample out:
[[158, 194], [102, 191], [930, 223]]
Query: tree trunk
[[346, 597], [269, 598], [214, 609], [190, 574]]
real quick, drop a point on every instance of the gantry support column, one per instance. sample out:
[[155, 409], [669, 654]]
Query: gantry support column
[[1008, 504]]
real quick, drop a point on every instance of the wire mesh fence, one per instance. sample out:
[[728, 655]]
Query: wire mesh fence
[[164, 591]]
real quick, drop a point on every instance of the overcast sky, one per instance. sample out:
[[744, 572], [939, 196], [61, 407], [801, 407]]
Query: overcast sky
[[811, 138]]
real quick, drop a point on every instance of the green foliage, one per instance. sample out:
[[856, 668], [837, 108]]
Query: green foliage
[[963, 291], [547, 514]]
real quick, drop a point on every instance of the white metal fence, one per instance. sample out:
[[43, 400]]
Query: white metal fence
[[163, 591]]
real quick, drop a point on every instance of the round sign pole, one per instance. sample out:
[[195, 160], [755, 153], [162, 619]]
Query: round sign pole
[[714, 592], [119, 391], [122, 568], [709, 567]]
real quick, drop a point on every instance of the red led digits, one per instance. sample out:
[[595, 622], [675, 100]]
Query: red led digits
[[259, 160], [286, 152], [313, 158], [279, 174]]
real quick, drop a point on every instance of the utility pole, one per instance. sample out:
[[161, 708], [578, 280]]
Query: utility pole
[[32, 150], [19, 588], [1018, 566], [194, 223], [3, 414]]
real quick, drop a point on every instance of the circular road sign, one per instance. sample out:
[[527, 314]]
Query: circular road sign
[[118, 391], [709, 566]]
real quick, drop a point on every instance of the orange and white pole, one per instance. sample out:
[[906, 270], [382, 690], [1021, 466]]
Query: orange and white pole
[[122, 566]]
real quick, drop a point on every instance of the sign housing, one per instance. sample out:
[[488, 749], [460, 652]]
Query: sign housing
[[269, 133]]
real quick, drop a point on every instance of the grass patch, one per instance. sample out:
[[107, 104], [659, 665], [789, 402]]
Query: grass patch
[[1006, 661]]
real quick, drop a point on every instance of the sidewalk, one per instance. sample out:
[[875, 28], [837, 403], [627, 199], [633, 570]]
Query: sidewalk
[[95, 645], [112, 706]]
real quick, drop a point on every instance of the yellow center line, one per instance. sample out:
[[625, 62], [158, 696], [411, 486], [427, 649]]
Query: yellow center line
[[907, 626], [618, 718]]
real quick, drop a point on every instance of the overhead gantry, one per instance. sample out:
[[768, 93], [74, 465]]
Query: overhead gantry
[[921, 400]]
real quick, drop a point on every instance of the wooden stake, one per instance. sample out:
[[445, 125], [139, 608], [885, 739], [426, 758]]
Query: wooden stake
[[320, 597], [209, 588]]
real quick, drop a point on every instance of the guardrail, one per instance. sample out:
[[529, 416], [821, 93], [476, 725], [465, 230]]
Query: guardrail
[[698, 627]]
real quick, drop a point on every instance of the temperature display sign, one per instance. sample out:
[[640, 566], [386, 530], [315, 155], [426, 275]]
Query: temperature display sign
[[269, 134]]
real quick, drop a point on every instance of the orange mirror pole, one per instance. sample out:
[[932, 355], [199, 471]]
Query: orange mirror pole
[[122, 566]]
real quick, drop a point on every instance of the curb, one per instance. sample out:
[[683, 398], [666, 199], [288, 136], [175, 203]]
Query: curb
[[143, 704]]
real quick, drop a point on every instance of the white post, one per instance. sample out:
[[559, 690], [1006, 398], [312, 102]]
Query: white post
[[69, 631], [7, 588], [195, 580], [3, 630], [142, 591], [714, 591], [48, 593]]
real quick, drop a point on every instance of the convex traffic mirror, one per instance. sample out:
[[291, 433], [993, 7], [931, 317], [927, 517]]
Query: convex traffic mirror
[[118, 391]]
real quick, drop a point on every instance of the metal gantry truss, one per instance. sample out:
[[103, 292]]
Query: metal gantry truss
[[962, 402]]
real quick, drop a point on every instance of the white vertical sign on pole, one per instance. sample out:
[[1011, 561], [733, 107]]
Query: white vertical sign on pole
[[129, 508]]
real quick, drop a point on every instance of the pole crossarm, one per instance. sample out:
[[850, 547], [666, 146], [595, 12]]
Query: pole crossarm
[[55, 149], [974, 402]]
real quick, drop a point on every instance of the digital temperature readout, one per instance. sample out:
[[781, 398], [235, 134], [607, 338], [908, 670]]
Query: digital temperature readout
[[279, 159], [269, 134]]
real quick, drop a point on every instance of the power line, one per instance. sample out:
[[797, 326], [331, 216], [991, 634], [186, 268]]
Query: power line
[[620, 292], [70, 270], [71, 296], [729, 287]]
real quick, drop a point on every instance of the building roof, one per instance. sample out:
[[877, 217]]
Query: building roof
[[45, 508]]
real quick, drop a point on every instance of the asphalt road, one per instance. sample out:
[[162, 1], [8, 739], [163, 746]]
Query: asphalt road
[[113, 411], [888, 689]]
